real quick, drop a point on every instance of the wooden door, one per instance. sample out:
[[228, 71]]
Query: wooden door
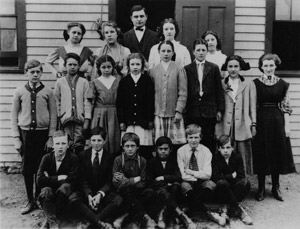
[[196, 16]]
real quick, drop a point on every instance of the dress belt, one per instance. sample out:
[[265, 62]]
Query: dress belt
[[105, 106], [269, 105]]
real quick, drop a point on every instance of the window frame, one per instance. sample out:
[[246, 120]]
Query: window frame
[[21, 40]]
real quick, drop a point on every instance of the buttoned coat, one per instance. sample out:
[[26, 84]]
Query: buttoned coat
[[243, 109]]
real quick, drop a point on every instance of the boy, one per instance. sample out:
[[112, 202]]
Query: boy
[[71, 99], [194, 162], [163, 175], [205, 103], [33, 123], [129, 170], [229, 175], [58, 178], [96, 168]]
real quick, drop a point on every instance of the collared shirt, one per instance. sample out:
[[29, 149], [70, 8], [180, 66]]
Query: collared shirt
[[36, 85], [234, 85], [139, 34], [136, 77], [100, 153], [58, 162], [163, 164], [165, 65]]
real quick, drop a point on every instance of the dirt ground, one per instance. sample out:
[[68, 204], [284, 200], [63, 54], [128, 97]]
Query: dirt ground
[[270, 213]]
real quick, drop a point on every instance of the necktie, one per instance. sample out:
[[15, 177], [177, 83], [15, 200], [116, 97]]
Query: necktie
[[193, 161], [200, 76], [96, 163]]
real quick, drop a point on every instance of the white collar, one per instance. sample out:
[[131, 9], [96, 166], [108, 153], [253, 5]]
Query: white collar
[[200, 62]]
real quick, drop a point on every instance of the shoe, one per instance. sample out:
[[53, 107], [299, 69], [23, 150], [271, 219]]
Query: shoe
[[133, 225], [161, 221], [118, 222], [104, 225], [149, 223], [45, 225], [83, 225], [260, 194], [244, 217], [216, 218], [224, 213], [277, 193], [28, 208]]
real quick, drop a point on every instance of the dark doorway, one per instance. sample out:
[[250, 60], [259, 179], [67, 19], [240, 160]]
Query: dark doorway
[[157, 10]]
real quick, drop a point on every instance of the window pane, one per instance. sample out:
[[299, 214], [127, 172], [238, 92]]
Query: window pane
[[7, 7], [8, 40], [8, 22]]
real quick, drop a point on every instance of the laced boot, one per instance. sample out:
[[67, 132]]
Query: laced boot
[[244, 217], [261, 188], [276, 192], [118, 222], [161, 221], [189, 224], [149, 222]]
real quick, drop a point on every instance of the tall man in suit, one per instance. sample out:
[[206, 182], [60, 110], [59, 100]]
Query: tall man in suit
[[98, 204], [205, 103], [57, 176], [140, 39]]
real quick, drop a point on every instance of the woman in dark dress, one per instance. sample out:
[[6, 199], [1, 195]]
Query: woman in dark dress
[[272, 153]]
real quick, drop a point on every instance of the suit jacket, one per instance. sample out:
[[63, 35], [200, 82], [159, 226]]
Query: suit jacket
[[223, 171], [244, 110], [171, 172], [149, 39], [91, 184], [212, 99], [69, 167]]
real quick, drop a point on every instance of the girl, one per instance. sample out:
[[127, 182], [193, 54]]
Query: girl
[[135, 103], [102, 98], [168, 31], [170, 95], [110, 33], [272, 153], [239, 117], [73, 35]]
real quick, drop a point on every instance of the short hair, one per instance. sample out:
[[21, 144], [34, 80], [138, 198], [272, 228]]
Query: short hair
[[99, 26], [243, 65], [216, 35], [59, 133], [268, 56], [193, 129], [137, 8], [71, 25], [200, 42], [32, 64], [98, 130], [102, 59], [163, 140], [130, 137], [161, 27], [73, 56], [223, 140], [167, 43], [136, 55]]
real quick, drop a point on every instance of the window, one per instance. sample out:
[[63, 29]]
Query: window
[[12, 35]]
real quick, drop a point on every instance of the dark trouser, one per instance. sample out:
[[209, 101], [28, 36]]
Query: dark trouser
[[54, 202], [75, 132], [33, 145], [107, 210], [232, 193], [169, 195], [208, 131], [261, 180]]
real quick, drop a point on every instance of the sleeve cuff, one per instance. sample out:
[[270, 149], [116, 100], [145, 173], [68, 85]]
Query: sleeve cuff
[[102, 193]]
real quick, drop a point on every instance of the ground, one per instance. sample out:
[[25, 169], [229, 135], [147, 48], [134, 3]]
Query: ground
[[270, 213]]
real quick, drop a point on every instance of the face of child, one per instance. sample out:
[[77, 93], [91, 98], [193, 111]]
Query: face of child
[[34, 75], [200, 52], [60, 145], [268, 67], [163, 151], [226, 150], [135, 66], [130, 148], [212, 42], [97, 142], [169, 31], [72, 67], [75, 34], [138, 18], [193, 140], [110, 34], [233, 68], [106, 69], [166, 52]]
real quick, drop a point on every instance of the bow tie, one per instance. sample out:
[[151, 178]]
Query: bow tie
[[139, 29], [269, 77]]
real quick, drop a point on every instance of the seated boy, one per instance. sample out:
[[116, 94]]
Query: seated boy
[[229, 175], [164, 177], [129, 171], [194, 162], [96, 170], [57, 176]]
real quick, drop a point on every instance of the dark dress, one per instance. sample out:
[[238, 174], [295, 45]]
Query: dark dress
[[272, 151]]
